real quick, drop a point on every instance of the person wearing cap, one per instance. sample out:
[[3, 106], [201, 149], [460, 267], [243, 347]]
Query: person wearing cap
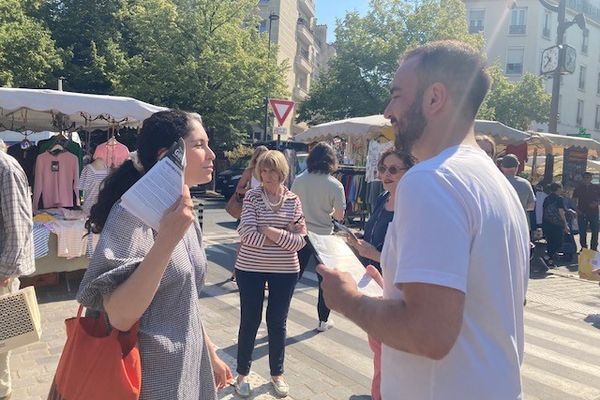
[[509, 166]]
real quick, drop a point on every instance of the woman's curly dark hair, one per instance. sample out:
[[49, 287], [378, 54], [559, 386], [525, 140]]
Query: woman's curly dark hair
[[159, 131]]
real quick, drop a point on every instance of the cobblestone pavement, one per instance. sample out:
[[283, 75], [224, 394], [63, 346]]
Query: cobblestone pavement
[[562, 320]]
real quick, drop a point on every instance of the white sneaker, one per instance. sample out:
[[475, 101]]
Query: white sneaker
[[325, 325]]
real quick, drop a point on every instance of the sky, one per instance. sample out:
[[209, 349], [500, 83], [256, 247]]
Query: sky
[[329, 10]]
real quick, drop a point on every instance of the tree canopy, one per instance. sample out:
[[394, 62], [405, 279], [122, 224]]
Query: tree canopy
[[368, 49], [205, 56]]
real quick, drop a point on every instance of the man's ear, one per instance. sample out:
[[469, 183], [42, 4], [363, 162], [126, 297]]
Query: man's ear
[[435, 99]]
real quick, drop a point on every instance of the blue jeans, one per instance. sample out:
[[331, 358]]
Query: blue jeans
[[252, 296]]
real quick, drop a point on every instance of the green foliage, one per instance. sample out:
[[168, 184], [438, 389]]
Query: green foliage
[[238, 152], [201, 55], [28, 55], [528, 93], [368, 49]]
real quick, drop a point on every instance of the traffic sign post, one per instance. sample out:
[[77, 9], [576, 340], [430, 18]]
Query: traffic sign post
[[281, 109]]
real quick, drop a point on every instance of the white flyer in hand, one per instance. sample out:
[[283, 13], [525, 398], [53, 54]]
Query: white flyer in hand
[[158, 189], [333, 251]]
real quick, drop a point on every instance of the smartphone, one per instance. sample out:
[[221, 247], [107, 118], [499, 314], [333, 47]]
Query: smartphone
[[345, 229]]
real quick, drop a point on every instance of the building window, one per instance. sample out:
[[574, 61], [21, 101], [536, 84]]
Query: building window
[[518, 21], [263, 2], [579, 121], [476, 18], [263, 26], [514, 61], [585, 41], [598, 87], [597, 121], [547, 24], [582, 71]]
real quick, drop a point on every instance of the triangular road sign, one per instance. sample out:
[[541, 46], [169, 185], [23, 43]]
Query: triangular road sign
[[281, 109]]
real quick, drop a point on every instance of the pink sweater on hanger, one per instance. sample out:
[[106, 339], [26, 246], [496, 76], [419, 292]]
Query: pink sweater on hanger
[[56, 180], [113, 154]]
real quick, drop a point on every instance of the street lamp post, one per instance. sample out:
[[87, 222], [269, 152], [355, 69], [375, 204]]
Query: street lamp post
[[560, 38], [272, 17]]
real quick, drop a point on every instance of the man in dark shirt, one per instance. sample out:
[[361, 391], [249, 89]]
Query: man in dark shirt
[[587, 197]]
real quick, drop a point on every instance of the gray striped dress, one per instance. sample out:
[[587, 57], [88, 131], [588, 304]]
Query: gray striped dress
[[174, 355]]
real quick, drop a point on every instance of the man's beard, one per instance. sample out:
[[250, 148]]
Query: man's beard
[[410, 128]]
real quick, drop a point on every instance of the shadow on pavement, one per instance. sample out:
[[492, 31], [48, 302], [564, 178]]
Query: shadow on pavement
[[228, 224], [594, 320]]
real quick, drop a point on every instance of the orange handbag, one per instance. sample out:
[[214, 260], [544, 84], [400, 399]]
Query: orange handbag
[[97, 363]]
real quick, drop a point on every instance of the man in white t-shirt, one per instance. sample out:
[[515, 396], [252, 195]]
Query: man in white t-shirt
[[455, 258]]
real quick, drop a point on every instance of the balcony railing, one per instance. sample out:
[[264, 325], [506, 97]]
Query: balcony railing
[[517, 29], [304, 32], [304, 63]]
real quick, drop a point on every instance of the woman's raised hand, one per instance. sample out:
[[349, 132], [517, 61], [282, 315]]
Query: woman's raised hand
[[177, 220]]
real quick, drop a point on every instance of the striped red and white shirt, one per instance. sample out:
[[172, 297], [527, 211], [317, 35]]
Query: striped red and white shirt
[[257, 256]]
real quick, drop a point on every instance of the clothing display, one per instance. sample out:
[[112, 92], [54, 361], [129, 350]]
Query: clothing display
[[373, 155], [41, 236], [355, 189], [56, 180], [69, 145], [89, 184], [112, 152], [71, 240], [26, 158]]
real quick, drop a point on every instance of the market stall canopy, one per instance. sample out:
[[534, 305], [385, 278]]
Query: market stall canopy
[[501, 133], [367, 127], [375, 125], [44, 109], [551, 139]]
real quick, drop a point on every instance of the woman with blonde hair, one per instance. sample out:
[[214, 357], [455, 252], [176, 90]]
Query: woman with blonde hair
[[248, 179], [272, 230]]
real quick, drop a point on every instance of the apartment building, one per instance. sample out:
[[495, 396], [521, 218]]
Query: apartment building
[[516, 33], [300, 41]]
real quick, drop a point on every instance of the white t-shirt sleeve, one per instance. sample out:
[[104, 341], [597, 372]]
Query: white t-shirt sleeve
[[433, 233]]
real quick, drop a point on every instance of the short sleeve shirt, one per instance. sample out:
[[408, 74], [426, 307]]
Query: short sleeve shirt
[[588, 198]]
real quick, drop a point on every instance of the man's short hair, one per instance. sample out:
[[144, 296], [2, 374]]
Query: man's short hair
[[459, 67], [509, 161]]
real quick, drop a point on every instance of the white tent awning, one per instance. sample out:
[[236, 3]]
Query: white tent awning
[[565, 141], [373, 126], [38, 109]]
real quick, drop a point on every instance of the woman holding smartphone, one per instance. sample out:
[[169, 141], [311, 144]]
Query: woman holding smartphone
[[155, 276], [391, 168]]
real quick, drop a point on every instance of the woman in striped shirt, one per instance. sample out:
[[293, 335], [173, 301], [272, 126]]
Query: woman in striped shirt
[[272, 230]]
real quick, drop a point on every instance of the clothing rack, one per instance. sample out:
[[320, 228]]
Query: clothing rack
[[355, 189]]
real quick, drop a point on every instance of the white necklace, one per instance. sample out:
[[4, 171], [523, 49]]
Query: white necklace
[[272, 205]]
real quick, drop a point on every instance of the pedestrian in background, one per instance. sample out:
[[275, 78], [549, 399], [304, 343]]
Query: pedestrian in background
[[391, 167], [587, 198], [248, 181], [456, 254], [322, 198], [509, 166], [16, 242], [487, 144], [554, 222], [272, 230], [155, 277]]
